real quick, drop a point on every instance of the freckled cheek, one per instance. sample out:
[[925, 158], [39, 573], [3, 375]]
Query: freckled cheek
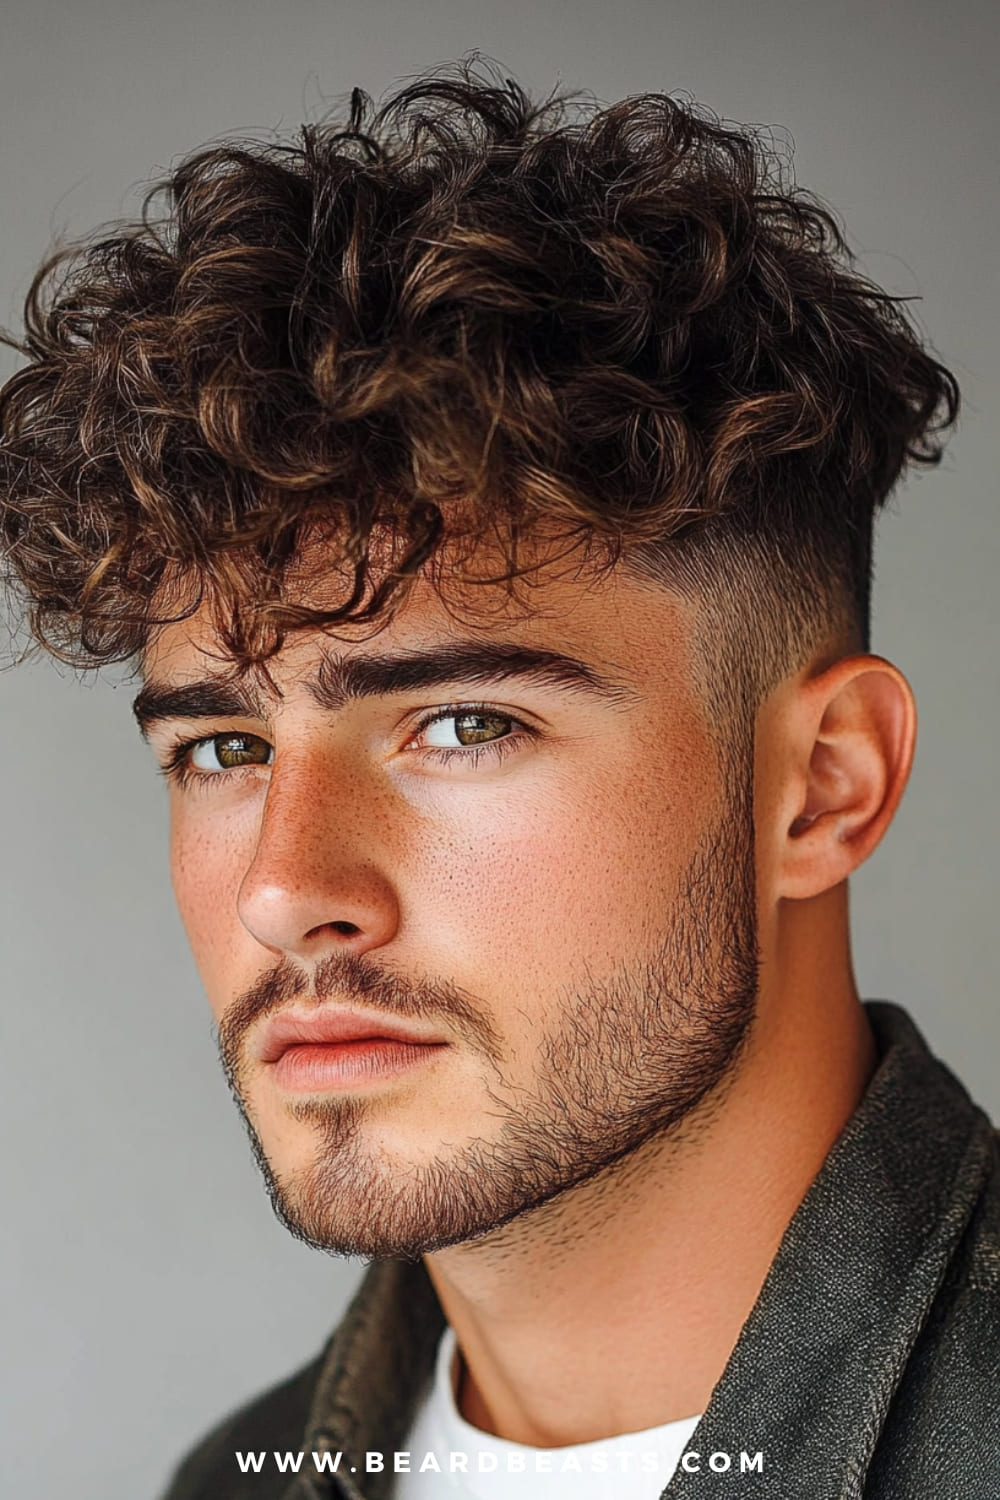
[[206, 870], [580, 873]]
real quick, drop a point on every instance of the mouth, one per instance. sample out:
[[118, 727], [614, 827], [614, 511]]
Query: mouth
[[328, 1049]]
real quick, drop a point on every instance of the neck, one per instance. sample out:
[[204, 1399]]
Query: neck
[[615, 1307]]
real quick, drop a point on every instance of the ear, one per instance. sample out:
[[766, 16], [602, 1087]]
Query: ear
[[853, 729]]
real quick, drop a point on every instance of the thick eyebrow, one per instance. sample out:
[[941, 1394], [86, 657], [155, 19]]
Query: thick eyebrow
[[339, 680], [212, 698]]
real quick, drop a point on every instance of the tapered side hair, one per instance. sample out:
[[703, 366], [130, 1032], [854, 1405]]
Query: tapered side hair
[[462, 315]]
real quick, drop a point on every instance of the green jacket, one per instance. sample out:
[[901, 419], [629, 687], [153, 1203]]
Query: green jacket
[[869, 1368]]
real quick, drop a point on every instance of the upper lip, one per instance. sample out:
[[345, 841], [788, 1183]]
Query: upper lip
[[328, 1025]]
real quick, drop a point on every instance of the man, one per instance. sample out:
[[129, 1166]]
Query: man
[[485, 494]]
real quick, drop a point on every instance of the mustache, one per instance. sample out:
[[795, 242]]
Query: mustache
[[353, 978]]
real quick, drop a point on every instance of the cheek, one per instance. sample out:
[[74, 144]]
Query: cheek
[[206, 868], [583, 870]]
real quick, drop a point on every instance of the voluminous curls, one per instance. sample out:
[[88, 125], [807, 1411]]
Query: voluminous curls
[[464, 311]]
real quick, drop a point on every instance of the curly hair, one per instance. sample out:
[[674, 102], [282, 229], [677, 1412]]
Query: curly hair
[[463, 312]]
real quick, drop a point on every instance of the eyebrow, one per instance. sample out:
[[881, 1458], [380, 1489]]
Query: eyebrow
[[340, 680]]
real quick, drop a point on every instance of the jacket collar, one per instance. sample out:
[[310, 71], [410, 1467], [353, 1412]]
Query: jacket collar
[[817, 1362]]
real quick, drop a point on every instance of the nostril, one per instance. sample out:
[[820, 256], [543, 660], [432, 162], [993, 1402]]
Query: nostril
[[347, 928]]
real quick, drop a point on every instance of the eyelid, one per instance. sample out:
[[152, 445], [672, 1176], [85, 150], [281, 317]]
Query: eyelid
[[171, 733]]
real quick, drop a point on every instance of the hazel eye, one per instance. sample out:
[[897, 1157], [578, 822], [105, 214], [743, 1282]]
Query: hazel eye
[[229, 752], [468, 728]]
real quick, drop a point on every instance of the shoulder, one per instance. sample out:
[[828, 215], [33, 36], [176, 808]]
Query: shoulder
[[962, 1337], [276, 1419], [943, 1430]]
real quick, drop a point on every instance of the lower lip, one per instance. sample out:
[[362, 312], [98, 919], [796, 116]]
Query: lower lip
[[339, 1065]]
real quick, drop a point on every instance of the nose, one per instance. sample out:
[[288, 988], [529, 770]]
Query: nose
[[316, 881]]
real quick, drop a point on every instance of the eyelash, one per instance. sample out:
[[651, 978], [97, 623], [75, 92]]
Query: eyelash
[[185, 776]]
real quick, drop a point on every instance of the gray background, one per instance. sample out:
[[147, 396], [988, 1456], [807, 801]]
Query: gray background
[[149, 1287]]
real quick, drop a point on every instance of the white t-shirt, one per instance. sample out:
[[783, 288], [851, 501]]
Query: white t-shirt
[[451, 1460]]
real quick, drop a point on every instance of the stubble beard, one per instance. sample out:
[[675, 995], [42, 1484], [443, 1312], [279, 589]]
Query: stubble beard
[[639, 1055]]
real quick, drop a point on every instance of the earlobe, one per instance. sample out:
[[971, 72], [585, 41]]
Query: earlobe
[[855, 728]]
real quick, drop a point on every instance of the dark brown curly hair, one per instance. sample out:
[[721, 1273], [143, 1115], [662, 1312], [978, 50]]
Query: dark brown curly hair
[[463, 313]]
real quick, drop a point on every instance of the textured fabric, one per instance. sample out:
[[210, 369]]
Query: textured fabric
[[868, 1369]]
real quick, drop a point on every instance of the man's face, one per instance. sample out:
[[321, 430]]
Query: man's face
[[472, 900]]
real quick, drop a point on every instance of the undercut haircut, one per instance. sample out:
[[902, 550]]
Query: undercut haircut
[[462, 315]]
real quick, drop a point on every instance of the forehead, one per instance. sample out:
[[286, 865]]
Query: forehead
[[610, 617]]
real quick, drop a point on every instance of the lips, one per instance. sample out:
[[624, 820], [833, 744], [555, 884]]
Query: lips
[[329, 1027]]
